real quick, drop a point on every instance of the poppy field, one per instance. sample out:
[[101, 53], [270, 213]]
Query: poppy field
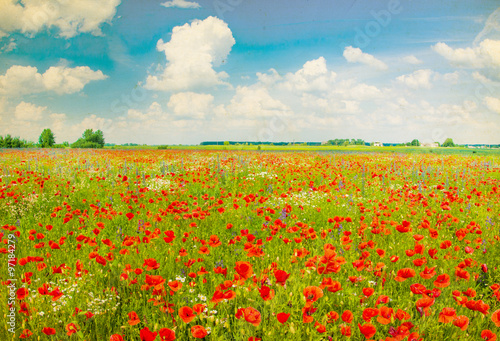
[[238, 245]]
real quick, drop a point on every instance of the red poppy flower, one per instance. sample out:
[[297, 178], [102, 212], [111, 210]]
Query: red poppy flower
[[166, 334], [347, 316], [186, 314], [133, 318], [442, 281], [282, 317], [312, 293], [116, 337], [281, 277], [147, 335], [71, 328], [488, 335], [368, 330], [404, 274], [495, 317], [25, 334], [461, 322], [447, 315], [244, 269], [48, 331], [198, 332]]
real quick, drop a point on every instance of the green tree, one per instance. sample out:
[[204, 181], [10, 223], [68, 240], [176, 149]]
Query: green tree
[[47, 139], [415, 142], [90, 139], [448, 143]]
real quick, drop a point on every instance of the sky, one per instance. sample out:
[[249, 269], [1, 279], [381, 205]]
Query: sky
[[183, 72]]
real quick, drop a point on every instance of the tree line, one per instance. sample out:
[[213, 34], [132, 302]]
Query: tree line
[[47, 139]]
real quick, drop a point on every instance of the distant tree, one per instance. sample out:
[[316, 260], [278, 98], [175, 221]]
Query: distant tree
[[448, 143], [90, 139], [7, 142], [47, 139], [415, 142], [226, 143]]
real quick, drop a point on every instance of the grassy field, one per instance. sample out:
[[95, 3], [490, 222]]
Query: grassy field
[[185, 244]]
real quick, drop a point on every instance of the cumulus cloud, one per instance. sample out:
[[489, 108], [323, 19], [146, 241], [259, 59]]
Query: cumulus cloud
[[411, 59], [29, 112], [190, 105], [19, 80], [355, 55], [417, 79], [256, 102], [192, 53], [485, 55], [493, 104], [313, 76], [181, 4], [70, 17]]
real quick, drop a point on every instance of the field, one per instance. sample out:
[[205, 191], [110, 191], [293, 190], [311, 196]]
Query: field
[[245, 245]]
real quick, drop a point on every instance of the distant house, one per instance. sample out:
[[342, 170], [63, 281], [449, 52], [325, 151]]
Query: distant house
[[430, 144], [378, 144]]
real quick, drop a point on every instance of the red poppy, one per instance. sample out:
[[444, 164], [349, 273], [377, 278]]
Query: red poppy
[[404, 274], [488, 335], [281, 277], [252, 316], [48, 331], [282, 317], [166, 334], [244, 269], [312, 293], [442, 281], [368, 330], [266, 293], [495, 317], [71, 328], [461, 322], [198, 332], [186, 314], [25, 334], [447, 315], [133, 318], [347, 316], [147, 335], [385, 315], [116, 337]]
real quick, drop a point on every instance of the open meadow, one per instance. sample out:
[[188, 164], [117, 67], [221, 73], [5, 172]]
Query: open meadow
[[164, 245]]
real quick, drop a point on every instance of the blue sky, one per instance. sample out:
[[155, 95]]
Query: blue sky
[[182, 72]]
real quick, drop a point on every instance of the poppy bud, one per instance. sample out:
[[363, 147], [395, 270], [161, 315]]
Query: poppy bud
[[484, 268]]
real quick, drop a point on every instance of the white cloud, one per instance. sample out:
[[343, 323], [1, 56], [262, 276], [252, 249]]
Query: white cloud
[[411, 59], [29, 112], [417, 79], [70, 17], [256, 102], [486, 55], [355, 55], [181, 4], [493, 104], [452, 77], [491, 27], [19, 80], [8, 47], [192, 53], [314, 76], [190, 104], [269, 78]]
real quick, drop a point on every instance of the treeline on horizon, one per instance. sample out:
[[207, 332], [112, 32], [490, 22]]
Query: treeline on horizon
[[95, 139]]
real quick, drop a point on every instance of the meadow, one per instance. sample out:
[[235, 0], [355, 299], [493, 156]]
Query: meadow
[[245, 245]]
